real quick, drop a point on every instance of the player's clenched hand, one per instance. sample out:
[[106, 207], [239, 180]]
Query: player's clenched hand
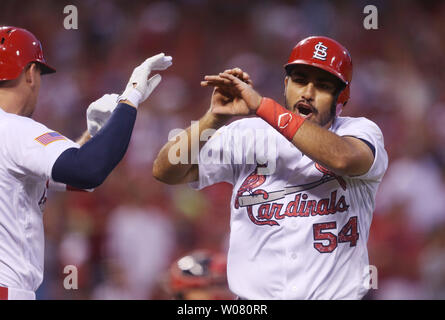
[[239, 97], [139, 86], [100, 111]]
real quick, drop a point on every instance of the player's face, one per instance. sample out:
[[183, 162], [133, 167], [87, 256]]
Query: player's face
[[312, 93]]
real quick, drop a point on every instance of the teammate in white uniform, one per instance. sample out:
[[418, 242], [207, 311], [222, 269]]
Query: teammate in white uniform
[[33, 156], [25, 168], [299, 229]]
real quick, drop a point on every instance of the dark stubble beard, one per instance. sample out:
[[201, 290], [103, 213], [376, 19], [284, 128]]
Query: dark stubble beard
[[324, 119]]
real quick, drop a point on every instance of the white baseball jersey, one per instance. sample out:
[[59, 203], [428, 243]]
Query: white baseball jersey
[[302, 231], [29, 150]]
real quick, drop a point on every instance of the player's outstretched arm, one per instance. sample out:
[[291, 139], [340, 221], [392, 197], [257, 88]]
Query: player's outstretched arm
[[88, 166], [137, 90], [168, 172], [343, 155], [163, 169]]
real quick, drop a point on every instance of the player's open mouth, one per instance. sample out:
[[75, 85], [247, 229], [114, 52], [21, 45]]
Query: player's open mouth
[[304, 110]]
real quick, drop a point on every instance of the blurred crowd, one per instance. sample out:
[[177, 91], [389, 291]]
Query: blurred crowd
[[124, 236]]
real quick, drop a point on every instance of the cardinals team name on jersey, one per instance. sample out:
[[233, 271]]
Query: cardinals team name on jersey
[[300, 206]]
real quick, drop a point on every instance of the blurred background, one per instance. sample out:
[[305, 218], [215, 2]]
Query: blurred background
[[124, 237]]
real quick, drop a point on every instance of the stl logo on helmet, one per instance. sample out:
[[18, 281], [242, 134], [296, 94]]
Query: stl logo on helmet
[[320, 51]]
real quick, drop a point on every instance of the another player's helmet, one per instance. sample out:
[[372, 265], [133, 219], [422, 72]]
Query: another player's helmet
[[327, 54], [19, 47], [202, 272]]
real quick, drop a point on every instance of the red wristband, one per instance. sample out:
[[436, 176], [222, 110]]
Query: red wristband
[[284, 121]]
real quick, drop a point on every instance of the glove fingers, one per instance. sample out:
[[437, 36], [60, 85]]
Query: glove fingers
[[99, 115], [152, 83], [99, 111], [109, 101], [92, 128], [162, 64], [105, 104], [158, 62], [154, 58], [113, 97]]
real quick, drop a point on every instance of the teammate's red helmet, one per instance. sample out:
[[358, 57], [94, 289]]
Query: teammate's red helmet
[[200, 268], [327, 54], [18, 47], [201, 274]]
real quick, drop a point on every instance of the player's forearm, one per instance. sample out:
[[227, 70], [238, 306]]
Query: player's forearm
[[88, 166], [328, 149], [342, 155], [170, 172], [165, 171]]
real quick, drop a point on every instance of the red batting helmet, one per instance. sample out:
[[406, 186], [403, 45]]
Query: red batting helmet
[[200, 271], [18, 47], [327, 54]]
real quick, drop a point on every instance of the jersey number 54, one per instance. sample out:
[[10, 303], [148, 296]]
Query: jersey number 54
[[348, 233]]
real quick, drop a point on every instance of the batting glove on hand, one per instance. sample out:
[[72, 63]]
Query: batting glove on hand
[[100, 111], [139, 88]]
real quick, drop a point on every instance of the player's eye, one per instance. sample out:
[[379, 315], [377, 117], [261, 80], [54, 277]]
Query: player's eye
[[326, 86], [299, 79]]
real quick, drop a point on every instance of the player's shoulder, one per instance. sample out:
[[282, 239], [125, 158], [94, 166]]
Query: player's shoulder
[[11, 119], [359, 123], [14, 123]]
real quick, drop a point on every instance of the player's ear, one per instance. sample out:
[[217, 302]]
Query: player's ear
[[286, 80], [31, 72]]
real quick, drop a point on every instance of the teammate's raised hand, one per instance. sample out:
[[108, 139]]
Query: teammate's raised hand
[[139, 86]]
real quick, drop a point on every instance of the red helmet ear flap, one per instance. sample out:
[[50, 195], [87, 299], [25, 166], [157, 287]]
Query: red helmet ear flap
[[343, 97]]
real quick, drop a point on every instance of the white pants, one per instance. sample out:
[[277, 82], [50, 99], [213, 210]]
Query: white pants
[[18, 294]]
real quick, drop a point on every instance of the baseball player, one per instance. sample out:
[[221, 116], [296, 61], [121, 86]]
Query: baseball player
[[34, 156], [298, 231]]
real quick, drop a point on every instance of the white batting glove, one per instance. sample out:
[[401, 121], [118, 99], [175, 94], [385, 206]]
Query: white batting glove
[[100, 111], [139, 88]]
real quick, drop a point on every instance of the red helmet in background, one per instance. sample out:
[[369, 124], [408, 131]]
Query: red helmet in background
[[200, 274], [327, 54], [19, 47]]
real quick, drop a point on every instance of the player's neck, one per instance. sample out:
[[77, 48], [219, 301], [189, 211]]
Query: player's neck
[[12, 102], [329, 124]]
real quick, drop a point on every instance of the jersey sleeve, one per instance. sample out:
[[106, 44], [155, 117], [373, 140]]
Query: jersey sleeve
[[367, 130], [34, 148], [215, 160]]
